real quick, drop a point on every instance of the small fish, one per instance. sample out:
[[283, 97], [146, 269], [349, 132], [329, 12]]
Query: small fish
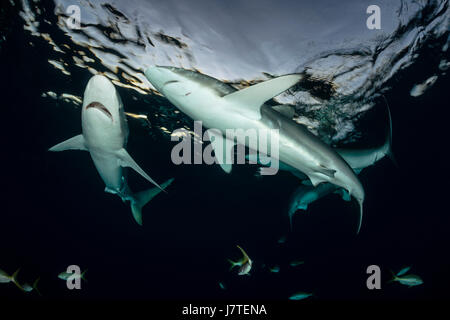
[[420, 88], [5, 278], [410, 280], [65, 275], [222, 286], [296, 263], [403, 271], [245, 263], [300, 296], [275, 269], [28, 288], [282, 239]]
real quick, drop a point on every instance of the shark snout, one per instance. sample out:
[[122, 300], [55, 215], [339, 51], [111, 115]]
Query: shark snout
[[156, 77], [100, 82]]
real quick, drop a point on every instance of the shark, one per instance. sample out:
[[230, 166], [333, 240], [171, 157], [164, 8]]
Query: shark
[[104, 135], [358, 159], [221, 106]]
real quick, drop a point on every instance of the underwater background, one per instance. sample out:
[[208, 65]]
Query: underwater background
[[55, 212]]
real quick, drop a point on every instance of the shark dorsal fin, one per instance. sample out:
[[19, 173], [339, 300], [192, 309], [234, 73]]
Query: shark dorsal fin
[[253, 97]]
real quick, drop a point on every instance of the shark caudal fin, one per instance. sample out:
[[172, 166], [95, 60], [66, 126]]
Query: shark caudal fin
[[143, 197], [388, 143]]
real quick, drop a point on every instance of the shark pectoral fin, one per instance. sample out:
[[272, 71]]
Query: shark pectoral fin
[[306, 182], [286, 110], [344, 194], [253, 97], [222, 149], [74, 143], [125, 160]]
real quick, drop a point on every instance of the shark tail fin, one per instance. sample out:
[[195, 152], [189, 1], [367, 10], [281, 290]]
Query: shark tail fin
[[388, 143], [143, 197]]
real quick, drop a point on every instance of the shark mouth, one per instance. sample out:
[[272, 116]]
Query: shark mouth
[[101, 107]]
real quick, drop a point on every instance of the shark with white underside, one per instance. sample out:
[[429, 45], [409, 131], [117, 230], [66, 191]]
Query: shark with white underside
[[220, 106], [358, 159], [104, 136]]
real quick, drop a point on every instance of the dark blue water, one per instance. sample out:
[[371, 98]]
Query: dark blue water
[[55, 212]]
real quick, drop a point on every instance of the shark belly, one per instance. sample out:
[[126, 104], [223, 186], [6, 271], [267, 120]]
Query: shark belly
[[109, 169]]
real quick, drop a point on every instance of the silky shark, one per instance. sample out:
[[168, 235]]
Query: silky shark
[[104, 136], [222, 107], [358, 159]]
